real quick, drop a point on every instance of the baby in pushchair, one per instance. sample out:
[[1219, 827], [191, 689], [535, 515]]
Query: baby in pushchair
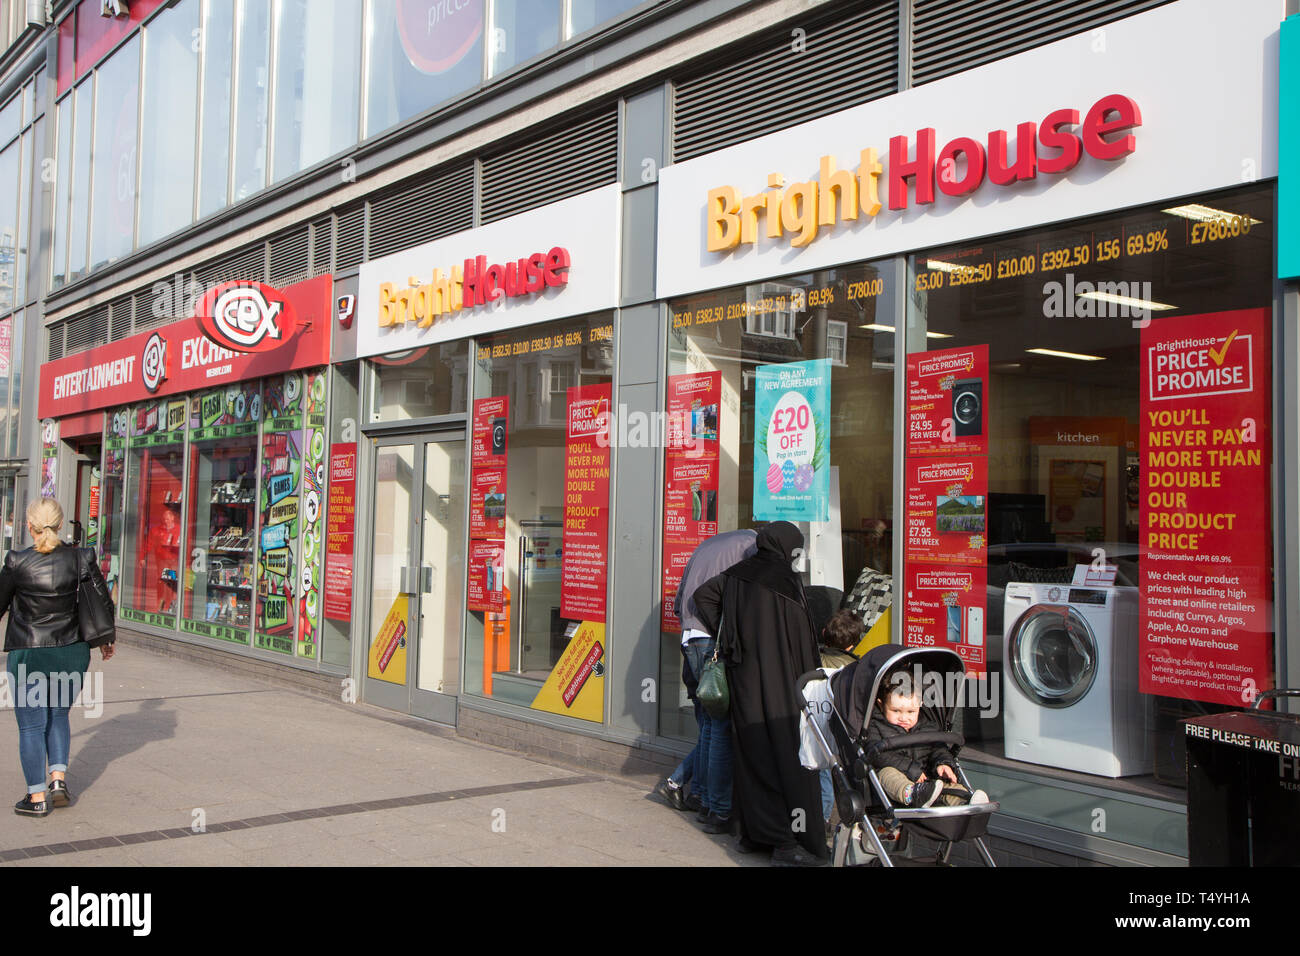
[[889, 717], [913, 776]]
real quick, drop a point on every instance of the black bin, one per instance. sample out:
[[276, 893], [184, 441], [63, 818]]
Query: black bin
[[1243, 789]]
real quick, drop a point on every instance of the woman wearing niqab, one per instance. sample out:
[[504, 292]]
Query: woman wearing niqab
[[767, 640]]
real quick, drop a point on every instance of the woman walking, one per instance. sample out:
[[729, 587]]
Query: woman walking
[[48, 659]]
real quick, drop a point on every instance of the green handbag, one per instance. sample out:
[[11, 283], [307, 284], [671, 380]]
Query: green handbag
[[712, 691]]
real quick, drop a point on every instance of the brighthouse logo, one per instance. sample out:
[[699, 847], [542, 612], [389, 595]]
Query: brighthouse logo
[[1195, 367], [77, 909]]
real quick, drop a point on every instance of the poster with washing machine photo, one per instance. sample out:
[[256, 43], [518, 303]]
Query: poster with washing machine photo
[[947, 402], [1207, 574], [947, 511], [944, 607]]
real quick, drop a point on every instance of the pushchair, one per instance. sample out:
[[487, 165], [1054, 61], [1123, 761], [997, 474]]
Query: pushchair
[[868, 819]]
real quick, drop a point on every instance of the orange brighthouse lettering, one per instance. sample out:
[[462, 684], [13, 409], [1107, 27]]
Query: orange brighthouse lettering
[[474, 284], [802, 208]]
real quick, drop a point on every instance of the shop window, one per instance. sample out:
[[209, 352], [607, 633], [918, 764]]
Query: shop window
[[222, 519], [152, 544], [1107, 386], [724, 349], [281, 480], [111, 500], [539, 500], [427, 381]]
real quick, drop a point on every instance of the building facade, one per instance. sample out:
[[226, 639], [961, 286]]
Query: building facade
[[985, 299]]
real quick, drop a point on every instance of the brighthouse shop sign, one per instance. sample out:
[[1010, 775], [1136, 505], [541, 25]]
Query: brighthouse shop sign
[[548, 263], [1097, 122]]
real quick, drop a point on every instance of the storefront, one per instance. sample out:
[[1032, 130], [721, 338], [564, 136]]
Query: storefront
[[1009, 361], [488, 379], [201, 446]]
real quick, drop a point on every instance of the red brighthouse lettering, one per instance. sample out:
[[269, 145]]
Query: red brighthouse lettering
[[1099, 135], [483, 282]]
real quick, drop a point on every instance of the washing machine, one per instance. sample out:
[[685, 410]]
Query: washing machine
[[1070, 679]]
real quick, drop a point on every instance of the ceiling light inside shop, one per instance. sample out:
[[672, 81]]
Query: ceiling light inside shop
[[938, 265], [1068, 355], [1205, 213], [877, 327], [1126, 300]]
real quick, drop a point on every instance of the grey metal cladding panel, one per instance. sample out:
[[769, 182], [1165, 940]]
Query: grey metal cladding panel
[[845, 61], [290, 259], [416, 213], [349, 238], [950, 37], [570, 160]]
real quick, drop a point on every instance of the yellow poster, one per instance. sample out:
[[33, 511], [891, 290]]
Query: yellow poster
[[388, 649], [576, 685]]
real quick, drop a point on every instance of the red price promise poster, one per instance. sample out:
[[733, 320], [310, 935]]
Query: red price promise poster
[[690, 477], [585, 565], [1206, 575], [489, 437]]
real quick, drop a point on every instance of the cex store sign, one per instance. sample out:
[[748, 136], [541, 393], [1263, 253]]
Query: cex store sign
[[240, 331], [1105, 120], [548, 263]]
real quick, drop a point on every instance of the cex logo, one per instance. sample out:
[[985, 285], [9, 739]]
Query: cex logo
[[244, 317]]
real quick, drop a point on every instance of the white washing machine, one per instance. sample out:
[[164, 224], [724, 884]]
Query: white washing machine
[[1070, 679]]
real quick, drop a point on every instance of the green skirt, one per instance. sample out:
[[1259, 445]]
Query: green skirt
[[69, 659]]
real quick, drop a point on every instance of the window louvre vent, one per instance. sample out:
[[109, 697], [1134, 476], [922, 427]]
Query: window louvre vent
[[766, 84], [950, 37], [568, 161], [418, 212], [54, 343], [322, 254], [289, 258], [87, 330], [349, 238]]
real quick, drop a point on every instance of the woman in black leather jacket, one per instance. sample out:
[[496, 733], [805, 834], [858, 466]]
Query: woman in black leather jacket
[[47, 659]]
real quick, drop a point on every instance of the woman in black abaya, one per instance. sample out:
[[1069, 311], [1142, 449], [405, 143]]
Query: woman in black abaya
[[767, 640]]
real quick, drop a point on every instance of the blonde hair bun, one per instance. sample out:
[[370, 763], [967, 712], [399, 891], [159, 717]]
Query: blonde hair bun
[[44, 520]]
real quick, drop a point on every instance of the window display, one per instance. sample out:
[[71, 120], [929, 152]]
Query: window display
[[111, 500], [538, 478], [1119, 387], [281, 464], [155, 468], [223, 513], [780, 404]]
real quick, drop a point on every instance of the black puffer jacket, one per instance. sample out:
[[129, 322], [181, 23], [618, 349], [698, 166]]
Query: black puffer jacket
[[913, 761], [40, 593]]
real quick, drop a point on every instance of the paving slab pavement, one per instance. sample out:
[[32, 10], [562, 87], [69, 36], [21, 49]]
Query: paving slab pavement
[[279, 777]]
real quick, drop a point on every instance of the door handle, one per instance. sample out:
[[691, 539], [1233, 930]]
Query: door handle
[[409, 581], [426, 579]]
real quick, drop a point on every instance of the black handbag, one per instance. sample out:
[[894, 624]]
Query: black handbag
[[712, 691], [96, 616]]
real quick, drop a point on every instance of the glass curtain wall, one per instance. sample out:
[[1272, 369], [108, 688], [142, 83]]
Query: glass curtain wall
[[112, 203], [317, 89], [167, 122], [218, 52]]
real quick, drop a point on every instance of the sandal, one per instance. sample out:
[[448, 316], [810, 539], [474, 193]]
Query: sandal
[[28, 808]]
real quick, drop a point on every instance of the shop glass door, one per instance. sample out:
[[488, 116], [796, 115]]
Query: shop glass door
[[417, 575]]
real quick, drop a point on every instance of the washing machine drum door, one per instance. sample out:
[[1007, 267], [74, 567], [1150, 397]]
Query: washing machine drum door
[[1053, 655]]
